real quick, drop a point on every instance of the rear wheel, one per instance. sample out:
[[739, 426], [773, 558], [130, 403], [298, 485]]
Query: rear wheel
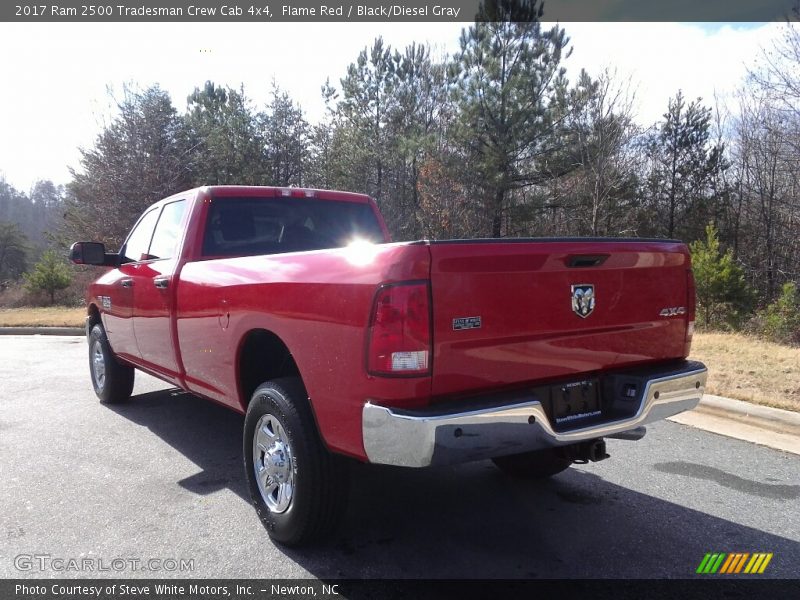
[[112, 381], [538, 464], [297, 486]]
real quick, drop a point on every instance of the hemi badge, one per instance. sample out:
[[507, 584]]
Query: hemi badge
[[466, 323]]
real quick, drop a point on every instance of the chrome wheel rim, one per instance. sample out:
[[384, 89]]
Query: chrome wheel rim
[[98, 365], [273, 464]]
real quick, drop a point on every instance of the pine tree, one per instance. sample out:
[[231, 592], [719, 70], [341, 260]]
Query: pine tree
[[510, 92], [365, 107], [287, 136], [417, 127], [684, 164], [49, 275], [13, 252], [140, 158], [226, 145], [723, 296]]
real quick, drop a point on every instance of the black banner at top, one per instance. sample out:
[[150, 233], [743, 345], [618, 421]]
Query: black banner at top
[[337, 11]]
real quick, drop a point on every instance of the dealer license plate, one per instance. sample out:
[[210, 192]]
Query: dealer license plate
[[574, 403]]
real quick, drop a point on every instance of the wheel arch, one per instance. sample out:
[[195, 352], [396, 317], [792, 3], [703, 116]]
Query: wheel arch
[[262, 356], [93, 314]]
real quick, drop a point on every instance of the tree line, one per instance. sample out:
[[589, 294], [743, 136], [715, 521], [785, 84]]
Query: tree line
[[492, 141], [27, 222]]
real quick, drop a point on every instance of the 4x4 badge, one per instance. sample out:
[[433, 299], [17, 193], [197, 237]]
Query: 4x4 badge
[[583, 299]]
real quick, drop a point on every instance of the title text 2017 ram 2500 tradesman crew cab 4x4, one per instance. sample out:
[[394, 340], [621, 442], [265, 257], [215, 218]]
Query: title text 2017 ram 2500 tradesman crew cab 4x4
[[292, 307]]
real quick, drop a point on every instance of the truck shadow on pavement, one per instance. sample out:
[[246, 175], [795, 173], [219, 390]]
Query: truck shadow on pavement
[[471, 521], [208, 434]]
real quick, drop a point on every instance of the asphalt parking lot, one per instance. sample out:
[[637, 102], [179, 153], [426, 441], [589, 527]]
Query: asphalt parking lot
[[161, 478]]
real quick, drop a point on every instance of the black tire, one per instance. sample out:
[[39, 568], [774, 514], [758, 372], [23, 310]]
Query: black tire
[[319, 479], [116, 383], [538, 464]]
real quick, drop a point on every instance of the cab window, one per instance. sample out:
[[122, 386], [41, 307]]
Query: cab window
[[254, 226]]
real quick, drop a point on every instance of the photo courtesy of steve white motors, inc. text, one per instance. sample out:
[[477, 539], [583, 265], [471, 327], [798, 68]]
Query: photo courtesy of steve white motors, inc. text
[[166, 589]]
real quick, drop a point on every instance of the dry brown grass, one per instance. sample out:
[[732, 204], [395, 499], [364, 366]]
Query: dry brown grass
[[750, 369], [51, 316]]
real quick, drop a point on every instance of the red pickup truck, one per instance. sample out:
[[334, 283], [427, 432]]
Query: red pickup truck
[[292, 307]]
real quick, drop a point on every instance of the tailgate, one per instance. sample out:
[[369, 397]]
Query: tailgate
[[514, 312]]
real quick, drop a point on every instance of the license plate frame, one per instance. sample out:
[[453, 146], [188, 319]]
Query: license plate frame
[[575, 403]]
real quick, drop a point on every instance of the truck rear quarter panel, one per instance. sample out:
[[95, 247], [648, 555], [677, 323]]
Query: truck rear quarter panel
[[318, 303]]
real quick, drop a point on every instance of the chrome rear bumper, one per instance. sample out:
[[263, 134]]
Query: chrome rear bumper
[[513, 423]]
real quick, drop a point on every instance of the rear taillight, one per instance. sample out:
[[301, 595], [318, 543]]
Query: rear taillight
[[399, 340], [691, 302]]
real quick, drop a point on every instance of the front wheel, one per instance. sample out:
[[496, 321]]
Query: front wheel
[[538, 464], [297, 486], [112, 381]]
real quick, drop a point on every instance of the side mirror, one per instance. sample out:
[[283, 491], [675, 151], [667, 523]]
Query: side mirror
[[91, 253]]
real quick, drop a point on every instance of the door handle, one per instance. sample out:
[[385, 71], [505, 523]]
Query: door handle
[[161, 283], [126, 283]]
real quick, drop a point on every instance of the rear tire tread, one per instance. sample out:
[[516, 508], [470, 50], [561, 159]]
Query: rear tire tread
[[321, 476]]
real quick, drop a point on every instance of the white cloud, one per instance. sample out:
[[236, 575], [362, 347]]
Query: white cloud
[[661, 58], [56, 78]]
